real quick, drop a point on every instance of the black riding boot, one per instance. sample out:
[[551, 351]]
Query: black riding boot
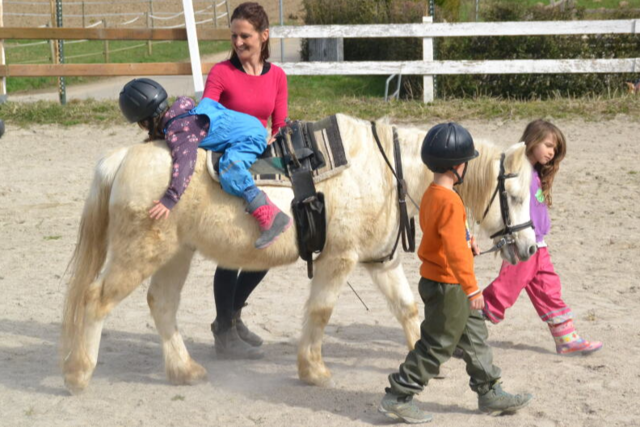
[[244, 332], [229, 345]]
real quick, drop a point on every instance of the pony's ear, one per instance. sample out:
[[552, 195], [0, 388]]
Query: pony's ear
[[384, 120], [515, 156]]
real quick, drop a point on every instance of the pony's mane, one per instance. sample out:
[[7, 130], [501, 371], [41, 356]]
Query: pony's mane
[[517, 161], [475, 192]]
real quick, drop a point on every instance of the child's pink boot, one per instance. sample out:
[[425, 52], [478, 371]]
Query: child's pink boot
[[272, 221], [569, 343]]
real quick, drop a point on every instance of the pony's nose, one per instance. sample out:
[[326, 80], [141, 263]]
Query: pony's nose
[[532, 249]]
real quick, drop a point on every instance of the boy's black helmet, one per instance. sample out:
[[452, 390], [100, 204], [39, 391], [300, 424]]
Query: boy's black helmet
[[447, 145], [142, 99]]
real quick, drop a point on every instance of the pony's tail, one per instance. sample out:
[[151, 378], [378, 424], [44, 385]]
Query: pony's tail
[[90, 252]]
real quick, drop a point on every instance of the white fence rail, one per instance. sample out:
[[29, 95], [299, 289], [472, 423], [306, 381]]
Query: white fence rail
[[463, 29], [428, 67], [515, 66]]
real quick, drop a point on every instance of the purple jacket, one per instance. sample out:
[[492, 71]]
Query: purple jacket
[[539, 211], [183, 137]]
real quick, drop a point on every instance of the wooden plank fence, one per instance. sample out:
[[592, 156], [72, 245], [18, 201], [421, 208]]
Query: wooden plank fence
[[426, 30], [463, 29], [109, 33]]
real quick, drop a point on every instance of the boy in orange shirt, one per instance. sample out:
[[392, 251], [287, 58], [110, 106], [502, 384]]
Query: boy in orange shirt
[[449, 289]]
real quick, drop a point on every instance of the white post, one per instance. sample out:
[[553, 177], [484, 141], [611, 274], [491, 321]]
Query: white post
[[427, 55], [281, 40], [194, 51]]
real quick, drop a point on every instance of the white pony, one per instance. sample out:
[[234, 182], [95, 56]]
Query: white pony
[[119, 245]]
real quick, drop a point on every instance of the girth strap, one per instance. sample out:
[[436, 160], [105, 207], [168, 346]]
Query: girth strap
[[407, 228]]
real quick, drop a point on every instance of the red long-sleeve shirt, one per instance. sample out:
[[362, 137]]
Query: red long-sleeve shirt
[[445, 249], [264, 96]]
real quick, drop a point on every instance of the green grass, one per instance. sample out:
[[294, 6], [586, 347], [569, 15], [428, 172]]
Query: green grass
[[313, 98], [325, 88], [468, 7], [587, 4], [40, 54]]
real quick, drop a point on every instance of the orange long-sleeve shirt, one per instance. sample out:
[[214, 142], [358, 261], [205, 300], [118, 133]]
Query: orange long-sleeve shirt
[[445, 249]]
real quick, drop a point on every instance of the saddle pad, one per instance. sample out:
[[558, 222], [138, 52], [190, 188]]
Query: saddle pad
[[269, 168]]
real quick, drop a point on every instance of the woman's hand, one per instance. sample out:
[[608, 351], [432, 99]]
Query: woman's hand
[[159, 211], [270, 140]]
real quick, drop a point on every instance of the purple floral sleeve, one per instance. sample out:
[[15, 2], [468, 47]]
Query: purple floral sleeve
[[183, 137]]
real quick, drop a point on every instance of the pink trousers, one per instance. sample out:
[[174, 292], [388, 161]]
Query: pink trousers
[[541, 282]]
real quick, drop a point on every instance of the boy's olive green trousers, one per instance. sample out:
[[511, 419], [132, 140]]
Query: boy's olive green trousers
[[448, 323]]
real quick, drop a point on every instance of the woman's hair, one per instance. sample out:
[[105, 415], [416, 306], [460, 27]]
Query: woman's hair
[[154, 126], [254, 14], [536, 132]]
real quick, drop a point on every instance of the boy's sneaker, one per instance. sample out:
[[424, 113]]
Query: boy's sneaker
[[402, 408], [497, 401]]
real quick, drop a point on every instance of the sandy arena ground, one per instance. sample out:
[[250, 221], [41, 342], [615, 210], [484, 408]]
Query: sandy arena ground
[[45, 175]]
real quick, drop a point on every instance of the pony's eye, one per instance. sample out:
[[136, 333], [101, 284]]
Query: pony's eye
[[515, 199]]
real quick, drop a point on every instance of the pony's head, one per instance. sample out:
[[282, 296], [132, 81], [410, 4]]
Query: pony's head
[[504, 217], [518, 198]]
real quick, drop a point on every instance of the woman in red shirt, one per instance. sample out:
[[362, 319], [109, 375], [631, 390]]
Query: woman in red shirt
[[249, 84]]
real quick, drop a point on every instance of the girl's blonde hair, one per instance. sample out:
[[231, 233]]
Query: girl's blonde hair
[[534, 134]]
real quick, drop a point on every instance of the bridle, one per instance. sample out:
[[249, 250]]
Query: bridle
[[508, 230]]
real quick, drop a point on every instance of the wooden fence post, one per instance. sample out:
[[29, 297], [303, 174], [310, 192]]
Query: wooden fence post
[[150, 25], [215, 14], [3, 84], [52, 46], [54, 43], [149, 48], [427, 56], [106, 44]]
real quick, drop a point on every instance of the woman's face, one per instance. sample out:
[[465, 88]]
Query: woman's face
[[246, 41]]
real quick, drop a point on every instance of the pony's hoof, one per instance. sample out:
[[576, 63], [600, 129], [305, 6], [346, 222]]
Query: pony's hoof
[[194, 373], [76, 383], [323, 382], [326, 383], [318, 379]]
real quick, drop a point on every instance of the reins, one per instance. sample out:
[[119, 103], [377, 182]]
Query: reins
[[508, 230], [407, 228]]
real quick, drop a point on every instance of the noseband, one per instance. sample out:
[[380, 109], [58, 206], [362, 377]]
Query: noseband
[[508, 230]]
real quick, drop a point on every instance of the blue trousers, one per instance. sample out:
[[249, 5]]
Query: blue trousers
[[240, 136]]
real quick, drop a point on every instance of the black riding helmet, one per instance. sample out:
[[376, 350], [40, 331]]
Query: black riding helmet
[[142, 99], [447, 145]]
